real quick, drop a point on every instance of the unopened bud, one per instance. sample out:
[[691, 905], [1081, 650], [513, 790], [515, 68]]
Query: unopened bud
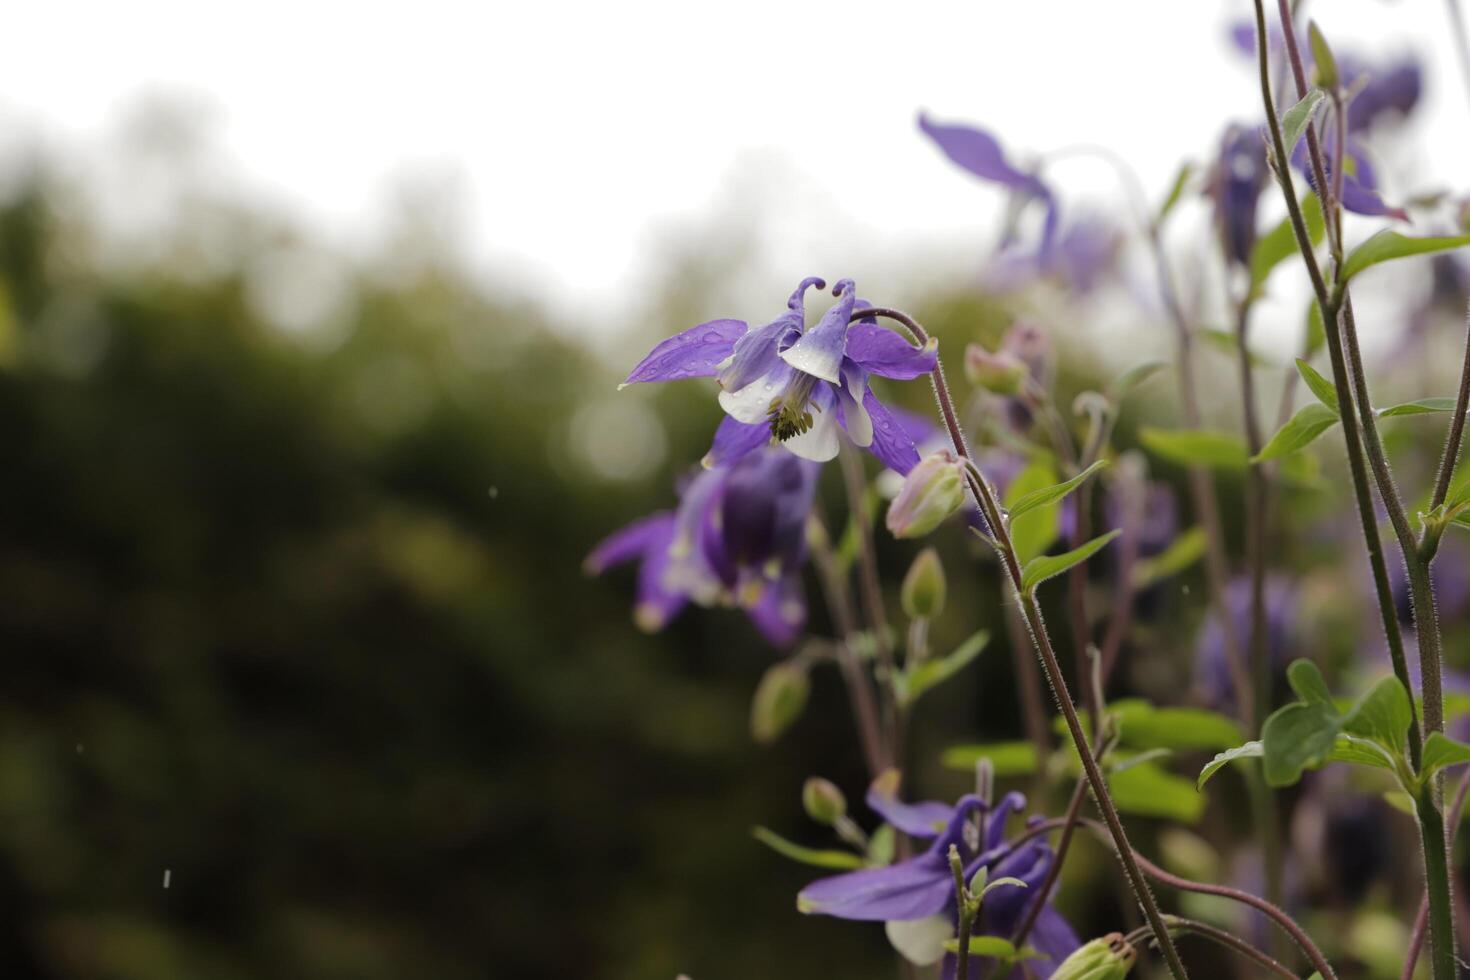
[[1108, 958], [823, 801], [1000, 371], [933, 490], [779, 700], [1327, 77], [923, 587]]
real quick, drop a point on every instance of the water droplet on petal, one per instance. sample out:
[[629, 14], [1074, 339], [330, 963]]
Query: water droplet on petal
[[712, 338]]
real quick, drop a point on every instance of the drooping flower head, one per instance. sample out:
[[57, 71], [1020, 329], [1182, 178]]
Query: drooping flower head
[[797, 386], [1239, 177], [736, 538], [920, 891]]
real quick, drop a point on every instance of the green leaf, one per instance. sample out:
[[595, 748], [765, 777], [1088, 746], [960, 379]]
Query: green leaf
[[881, 847], [985, 946], [1325, 390], [1183, 551], [1424, 406], [1296, 737], [1298, 433], [1176, 191], [1142, 725], [1007, 758], [1316, 332], [1439, 751], [1226, 342], [1046, 495], [1384, 715], [1038, 570], [1034, 532], [1389, 244], [1294, 121], [1279, 243], [1306, 680], [1221, 450], [1250, 750], [839, 860], [1322, 59], [931, 673], [1133, 377], [1150, 790]]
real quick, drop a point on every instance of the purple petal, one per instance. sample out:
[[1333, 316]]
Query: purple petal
[[995, 821], [892, 444], [978, 152], [1054, 939], [780, 613], [630, 542], [658, 601], [735, 439], [819, 351], [924, 819], [884, 353], [910, 889], [758, 353], [1004, 907], [695, 353]]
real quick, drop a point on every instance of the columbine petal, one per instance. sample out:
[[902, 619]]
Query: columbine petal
[[978, 152], [735, 439], [1005, 906], [892, 443], [780, 611], [658, 603], [630, 542], [820, 350], [1052, 937], [882, 352], [921, 941], [758, 353], [752, 403], [923, 819], [851, 414], [818, 443], [912, 889], [695, 353]]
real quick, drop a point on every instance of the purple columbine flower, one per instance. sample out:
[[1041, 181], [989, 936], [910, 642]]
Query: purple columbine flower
[[738, 537], [1239, 177], [1359, 180], [980, 153], [1388, 91], [922, 888], [796, 385]]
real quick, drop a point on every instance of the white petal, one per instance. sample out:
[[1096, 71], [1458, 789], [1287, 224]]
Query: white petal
[[859, 423], [819, 443], [814, 359], [920, 941], [753, 402]]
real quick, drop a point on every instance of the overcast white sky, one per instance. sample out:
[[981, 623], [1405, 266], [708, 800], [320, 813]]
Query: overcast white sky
[[583, 135]]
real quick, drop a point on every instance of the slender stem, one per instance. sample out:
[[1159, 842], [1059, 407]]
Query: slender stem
[[1314, 146], [1229, 941], [871, 590], [1033, 708], [1451, 455], [1064, 843], [1421, 921], [859, 689], [967, 908], [985, 497]]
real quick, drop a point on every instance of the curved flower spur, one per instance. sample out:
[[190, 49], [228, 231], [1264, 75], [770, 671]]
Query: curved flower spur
[[798, 386]]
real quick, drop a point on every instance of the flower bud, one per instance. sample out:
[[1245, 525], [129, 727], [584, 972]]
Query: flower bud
[[923, 587], [1326, 64], [1108, 958], [779, 700], [932, 491], [823, 801], [1001, 371]]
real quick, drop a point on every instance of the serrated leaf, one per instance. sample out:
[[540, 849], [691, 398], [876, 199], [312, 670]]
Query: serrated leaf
[[1220, 450], [1007, 758], [1183, 551], [1424, 406], [1250, 750], [1384, 715], [1133, 377], [1176, 191], [932, 673], [1149, 790], [1388, 245], [1297, 737], [1325, 390], [1439, 751], [1294, 121], [1046, 495], [1038, 570], [1274, 247], [1034, 532], [1299, 432], [838, 860]]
